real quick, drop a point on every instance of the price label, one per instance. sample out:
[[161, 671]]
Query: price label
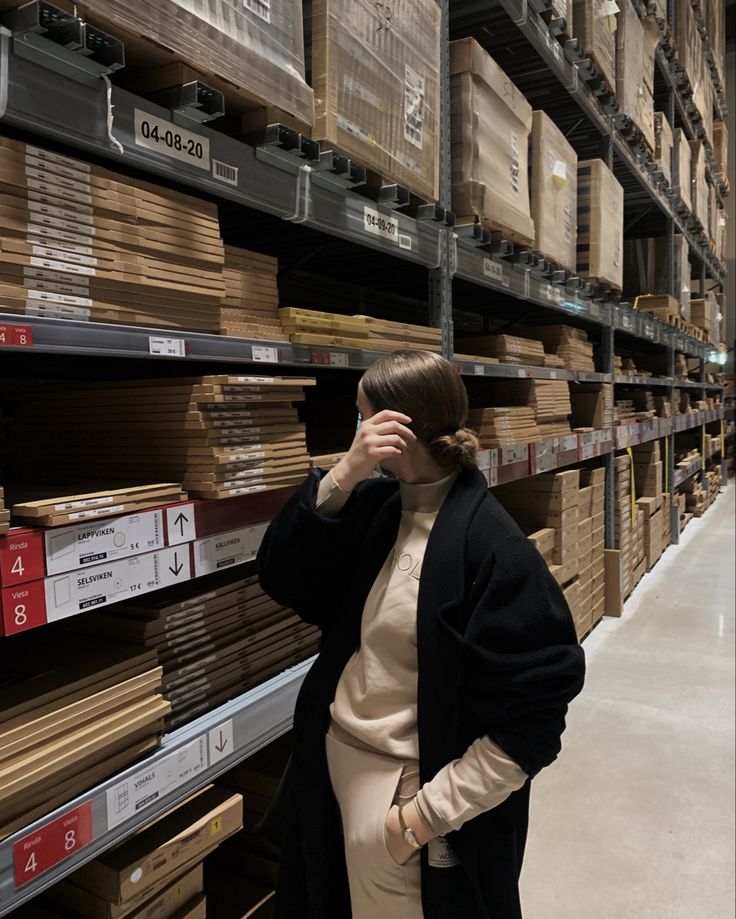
[[38, 852], [16, 336], [267, 355], [339, 359], [479, 370], [378, 224], [173, 141], [167, 347], [493, 270], [522, 372], [553, 374]]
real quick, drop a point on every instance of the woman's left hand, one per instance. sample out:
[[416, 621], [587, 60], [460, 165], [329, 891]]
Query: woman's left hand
[[398, 848]]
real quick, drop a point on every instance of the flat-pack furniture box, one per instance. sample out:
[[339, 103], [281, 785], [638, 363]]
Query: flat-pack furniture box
[[594, 23], [491, 123], [682, 169], [720, 148], [690, 52], [699, 183], [256, 46], [600, 224], [375, 69], [663, 145], [633, 92], [554, 192]]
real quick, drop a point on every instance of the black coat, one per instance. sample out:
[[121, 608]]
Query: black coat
[[497, 656]]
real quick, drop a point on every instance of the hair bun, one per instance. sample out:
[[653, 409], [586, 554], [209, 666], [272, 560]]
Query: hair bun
[[459, 449]]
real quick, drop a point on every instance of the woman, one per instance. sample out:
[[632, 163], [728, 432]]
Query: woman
[[448, 660]]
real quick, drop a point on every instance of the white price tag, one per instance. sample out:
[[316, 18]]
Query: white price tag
[[553, 374], [378, 224], [221, 742], [522, 372], [267, 355], [167, 347], [339, 359], [493, 270], [479, 370]]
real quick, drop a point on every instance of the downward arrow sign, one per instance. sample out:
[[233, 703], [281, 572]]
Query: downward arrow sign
[[222, 744], [177, 567]]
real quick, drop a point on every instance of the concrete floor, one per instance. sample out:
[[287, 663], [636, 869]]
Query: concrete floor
[[636, 817]]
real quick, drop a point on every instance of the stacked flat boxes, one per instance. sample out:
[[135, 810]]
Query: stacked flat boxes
[[649, 472], [653, 521], [619, 560], [639, 551], [591, 544], [546, 507]]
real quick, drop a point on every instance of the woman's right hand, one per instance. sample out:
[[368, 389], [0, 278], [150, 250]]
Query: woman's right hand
[[378, 438]]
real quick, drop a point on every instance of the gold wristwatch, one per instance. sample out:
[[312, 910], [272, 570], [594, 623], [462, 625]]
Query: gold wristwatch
[[408, 833]]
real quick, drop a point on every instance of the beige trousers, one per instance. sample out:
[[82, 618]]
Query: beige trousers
[[367, 785]]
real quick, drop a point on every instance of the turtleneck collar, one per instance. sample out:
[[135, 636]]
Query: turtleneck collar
[[426, 498]]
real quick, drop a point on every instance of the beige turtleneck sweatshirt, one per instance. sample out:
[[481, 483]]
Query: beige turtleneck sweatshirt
[[376, 697]]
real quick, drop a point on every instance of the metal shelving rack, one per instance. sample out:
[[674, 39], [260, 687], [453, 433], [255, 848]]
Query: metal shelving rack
[[287, 177]]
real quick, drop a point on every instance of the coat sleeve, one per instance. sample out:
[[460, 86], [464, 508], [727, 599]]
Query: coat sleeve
[[523, 663], [306, 559]]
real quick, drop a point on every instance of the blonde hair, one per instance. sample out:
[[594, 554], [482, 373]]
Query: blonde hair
[[425, 387]]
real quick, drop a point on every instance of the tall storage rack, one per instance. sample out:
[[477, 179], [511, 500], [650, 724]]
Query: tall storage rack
[[46, 92]]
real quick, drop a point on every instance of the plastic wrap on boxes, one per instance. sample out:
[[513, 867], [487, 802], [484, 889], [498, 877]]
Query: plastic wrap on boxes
[[375, 73], [663, 144], [682, 168], [600, 224], [554, 192], [491, 122], [699, 184], [257, 45], [594, 22], [720, 147]]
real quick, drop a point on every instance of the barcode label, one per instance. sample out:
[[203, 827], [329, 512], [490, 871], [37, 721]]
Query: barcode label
[[269, 355], [339, 359], [168, 347], [261, 8], [413, 106], [404, 241], [223, 172]]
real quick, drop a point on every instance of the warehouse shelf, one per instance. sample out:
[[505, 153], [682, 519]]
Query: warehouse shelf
[[65, 336], [480, 368], [720, 104], [187, 760], [564, 64], [270, 179]]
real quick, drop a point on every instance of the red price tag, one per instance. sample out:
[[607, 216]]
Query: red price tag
[[36, 853], [16, 336]]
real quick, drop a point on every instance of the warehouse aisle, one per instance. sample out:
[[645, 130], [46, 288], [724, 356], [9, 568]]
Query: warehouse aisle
[[636, 818]]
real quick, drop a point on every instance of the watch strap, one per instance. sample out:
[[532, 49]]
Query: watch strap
[[408, 833]]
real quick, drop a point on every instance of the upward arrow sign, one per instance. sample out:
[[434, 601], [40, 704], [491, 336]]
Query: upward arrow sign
[[180, 521]]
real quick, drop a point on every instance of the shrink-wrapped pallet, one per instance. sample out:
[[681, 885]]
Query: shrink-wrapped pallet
[[491, 122], [663, 145], [554, 189], [375, 72], [682, 169], [633, 94], [254, 45], [600, 224], [699, 183], [594, 23]]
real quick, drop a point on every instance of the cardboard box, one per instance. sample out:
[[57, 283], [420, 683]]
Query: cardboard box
[[491, 123], [595, 27], [553, 192], [193, 828], [543, 541], [663, 145], [375, 73], [585, 527], [258, 48], [699, 184], [600, 224], [682, 165], [720, 147], [615, 583], [633, 95]]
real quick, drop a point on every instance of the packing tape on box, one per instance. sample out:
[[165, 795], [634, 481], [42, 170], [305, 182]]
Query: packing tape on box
[[633, 486]]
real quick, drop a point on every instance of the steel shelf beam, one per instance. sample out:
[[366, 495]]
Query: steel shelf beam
[[186, 761]]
